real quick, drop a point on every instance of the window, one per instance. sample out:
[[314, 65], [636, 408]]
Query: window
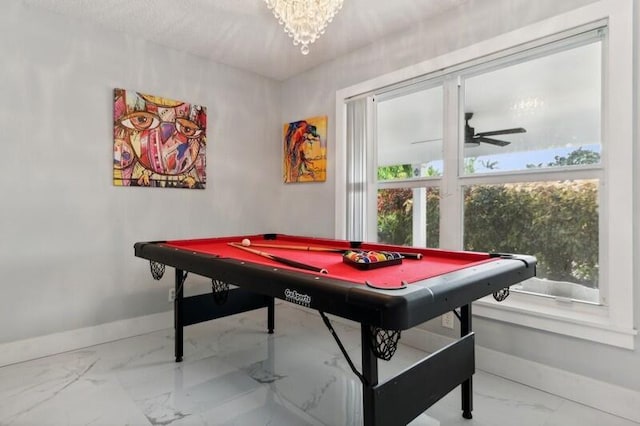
[[523, 119], [409, 134], [409, 216], [557, 221], [524, 115], [511, 149], [409, 148], [551, 103]]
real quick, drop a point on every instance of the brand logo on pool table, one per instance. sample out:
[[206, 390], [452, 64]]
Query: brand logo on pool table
[[294, 297]]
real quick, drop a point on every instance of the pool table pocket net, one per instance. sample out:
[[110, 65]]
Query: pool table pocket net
[[157, 269], [384, 342]]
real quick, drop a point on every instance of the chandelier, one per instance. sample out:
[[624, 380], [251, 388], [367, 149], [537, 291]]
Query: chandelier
[[304, 20]]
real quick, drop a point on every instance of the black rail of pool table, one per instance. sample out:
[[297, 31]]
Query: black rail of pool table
[[396, 401]]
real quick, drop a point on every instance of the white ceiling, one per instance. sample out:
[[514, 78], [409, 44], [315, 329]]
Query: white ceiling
[[244, 33]]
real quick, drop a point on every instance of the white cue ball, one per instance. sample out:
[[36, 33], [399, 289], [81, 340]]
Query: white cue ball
[[246, 242]]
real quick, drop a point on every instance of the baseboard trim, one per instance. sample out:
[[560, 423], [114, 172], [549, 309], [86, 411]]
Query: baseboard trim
[[613, 399], [51, 344]]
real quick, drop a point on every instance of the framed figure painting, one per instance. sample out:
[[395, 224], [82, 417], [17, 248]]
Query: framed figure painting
[[305, 150], [158, 142]]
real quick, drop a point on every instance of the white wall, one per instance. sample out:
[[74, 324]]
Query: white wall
[[66, 233], [313, 93]]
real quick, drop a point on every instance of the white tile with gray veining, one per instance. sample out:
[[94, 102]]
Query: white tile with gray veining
[[234, 373]]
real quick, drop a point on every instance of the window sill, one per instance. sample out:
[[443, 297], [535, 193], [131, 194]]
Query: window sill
[[554, 316]]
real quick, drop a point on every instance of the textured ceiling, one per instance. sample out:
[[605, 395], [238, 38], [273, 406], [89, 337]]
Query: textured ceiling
[[244, 33]]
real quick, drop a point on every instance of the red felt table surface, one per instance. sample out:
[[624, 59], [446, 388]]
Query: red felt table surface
[[433, 262]]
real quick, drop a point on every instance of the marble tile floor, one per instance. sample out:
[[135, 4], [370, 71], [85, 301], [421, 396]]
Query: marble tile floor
[[234, 373]]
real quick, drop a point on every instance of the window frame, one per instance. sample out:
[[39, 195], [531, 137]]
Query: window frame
[[612, 322]]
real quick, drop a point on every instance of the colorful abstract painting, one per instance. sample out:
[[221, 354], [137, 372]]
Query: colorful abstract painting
[[158, 142], [305, 150]]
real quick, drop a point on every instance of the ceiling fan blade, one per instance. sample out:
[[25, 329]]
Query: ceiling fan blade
[[502, 132], [426, 140], [491, 141]]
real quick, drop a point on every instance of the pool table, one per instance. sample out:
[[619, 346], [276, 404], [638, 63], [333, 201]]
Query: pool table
[[386, 295]]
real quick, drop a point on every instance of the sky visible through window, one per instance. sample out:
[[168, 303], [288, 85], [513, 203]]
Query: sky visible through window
[[516, 160]]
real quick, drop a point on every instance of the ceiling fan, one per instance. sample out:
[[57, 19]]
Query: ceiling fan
[[471, 138]]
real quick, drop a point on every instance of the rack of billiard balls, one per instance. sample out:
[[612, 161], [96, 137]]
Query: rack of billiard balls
[[370, 259]]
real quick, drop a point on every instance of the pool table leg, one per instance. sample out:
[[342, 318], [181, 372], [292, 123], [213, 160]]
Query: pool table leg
[[369, 375], [467, 385], [177, 314], [271, 315]]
